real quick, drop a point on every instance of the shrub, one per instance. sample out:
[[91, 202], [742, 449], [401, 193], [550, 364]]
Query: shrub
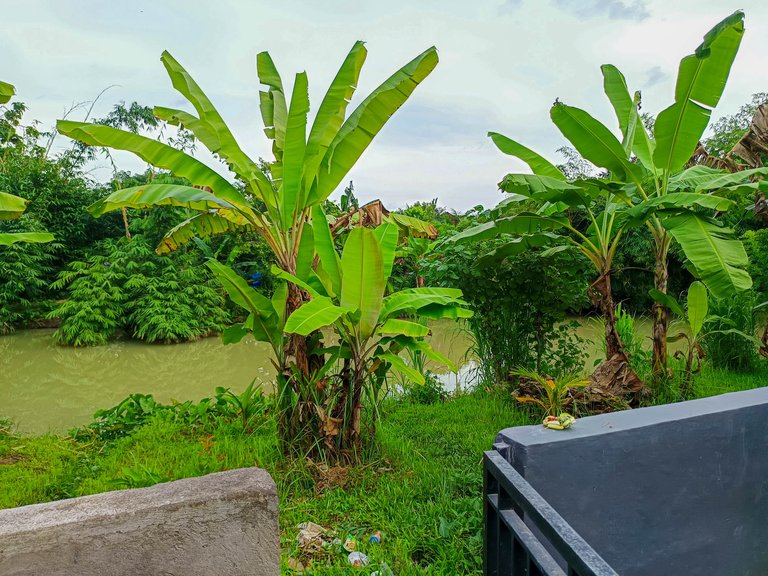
[[520, 307], [730, 350], [153, 298], [23, 268]]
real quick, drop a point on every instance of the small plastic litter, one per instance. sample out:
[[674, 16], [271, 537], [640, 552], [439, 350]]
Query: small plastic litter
[[375, 538], [313, 536], [357, 559], [350, 544]]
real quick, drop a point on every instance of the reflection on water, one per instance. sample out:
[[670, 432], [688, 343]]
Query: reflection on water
[[44, 387]]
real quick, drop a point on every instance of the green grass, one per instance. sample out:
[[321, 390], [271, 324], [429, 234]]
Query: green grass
[[421, 487]]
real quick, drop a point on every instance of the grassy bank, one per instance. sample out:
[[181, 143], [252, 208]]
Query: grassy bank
[[421, 488]]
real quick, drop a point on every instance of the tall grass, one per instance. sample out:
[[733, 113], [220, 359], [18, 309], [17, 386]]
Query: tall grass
[[728, 350]]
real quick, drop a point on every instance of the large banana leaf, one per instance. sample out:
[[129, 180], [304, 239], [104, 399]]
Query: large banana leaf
[[158, 195], [544, 188], [430, 353], [314, 290], [6, 92], [668, 301], [199, 226], [329, 258], [158, 154], [313, 315], [639, 213], [225, 144], [330, 115], [7, 239], [201, 129], [718, 259], [11, 207], [404, 327], [274, 110], [594, 141], [438, 311], [367, 120], [635, 136], [412, 300], [363, 282], [387, 235], [698, 307], [520, 224], [400, 365], [705, 178], [293, 155], [700, 83], [413, 227], [538, 164], [263, 319]]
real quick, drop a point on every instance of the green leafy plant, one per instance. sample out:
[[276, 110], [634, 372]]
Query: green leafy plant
[[250, 403], [280, 195], [552, 396], [700, 328], [646, 183], [520, 304], [128, 287], [349, 296]]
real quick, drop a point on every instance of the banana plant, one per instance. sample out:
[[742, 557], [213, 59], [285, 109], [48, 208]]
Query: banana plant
[[310, 161], [553, 198], [647, 176], [13, 207], [694, 318], [348, 294]]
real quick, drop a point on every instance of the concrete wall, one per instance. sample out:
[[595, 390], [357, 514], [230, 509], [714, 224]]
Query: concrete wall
[[674, 489], [220, 524]]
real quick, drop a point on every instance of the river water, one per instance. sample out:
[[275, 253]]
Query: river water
[[50, 388]]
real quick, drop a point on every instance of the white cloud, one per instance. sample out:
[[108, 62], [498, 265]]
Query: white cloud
[[502, 64]]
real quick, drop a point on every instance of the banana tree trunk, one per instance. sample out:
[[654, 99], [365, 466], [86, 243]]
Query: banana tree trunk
[[614, 376], [660, 314], [601, 296], [296, 351]]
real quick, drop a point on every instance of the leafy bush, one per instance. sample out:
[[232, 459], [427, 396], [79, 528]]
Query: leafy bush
[[137, 410], [152, 298], [731, 350], [23, 267], [94, 309], [520, 306], [431, 392]]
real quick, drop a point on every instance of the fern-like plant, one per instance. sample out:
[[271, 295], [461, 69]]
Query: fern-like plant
[[129, 287]]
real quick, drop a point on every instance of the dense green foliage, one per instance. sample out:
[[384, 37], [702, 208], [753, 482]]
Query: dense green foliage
[[128, 287], [520, 306]]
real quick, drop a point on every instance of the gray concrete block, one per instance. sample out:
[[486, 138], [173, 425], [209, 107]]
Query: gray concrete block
[[674, 489], [219, 524]]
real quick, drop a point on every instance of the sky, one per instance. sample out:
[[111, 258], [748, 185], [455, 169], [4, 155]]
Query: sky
[[502, 65]]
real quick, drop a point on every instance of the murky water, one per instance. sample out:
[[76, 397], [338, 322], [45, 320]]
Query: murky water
[[45, 387]]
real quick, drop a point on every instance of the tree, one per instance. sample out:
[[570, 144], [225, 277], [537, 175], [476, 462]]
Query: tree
[[12, 207], [275, 202], [370, 326], [646, 177], [554, 197]]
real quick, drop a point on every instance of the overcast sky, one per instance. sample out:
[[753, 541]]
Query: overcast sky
[[502, 64]]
